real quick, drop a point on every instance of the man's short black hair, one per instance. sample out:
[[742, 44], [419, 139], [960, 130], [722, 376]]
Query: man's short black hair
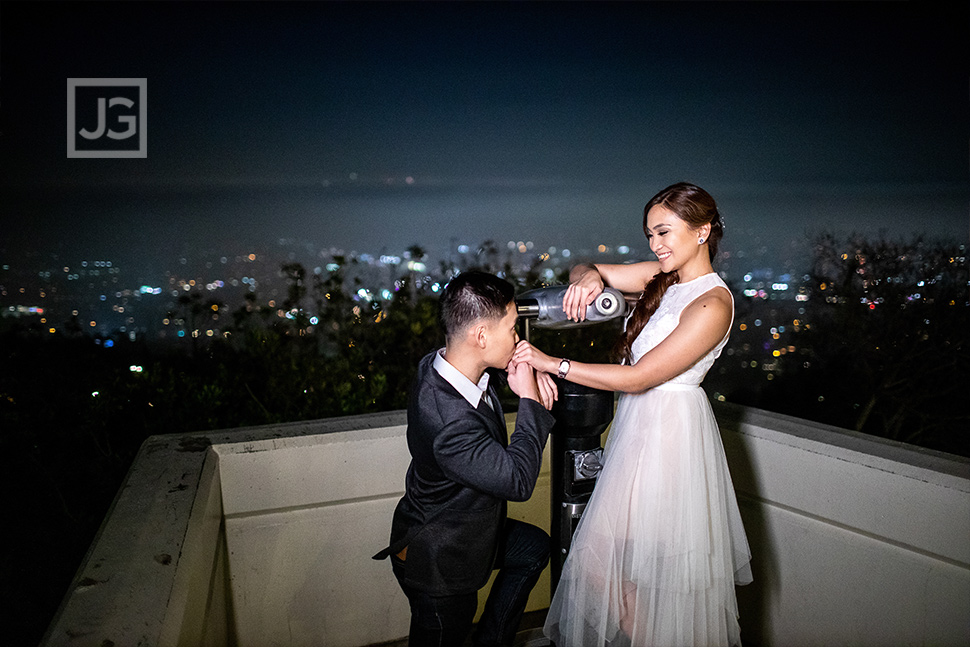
[[472, 296]]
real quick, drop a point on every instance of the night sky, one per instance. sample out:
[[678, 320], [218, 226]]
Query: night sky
[[372, 126]]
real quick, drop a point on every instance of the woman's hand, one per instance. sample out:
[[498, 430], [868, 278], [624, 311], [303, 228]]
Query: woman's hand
[[526, 353], [581, 293], [548, 393]]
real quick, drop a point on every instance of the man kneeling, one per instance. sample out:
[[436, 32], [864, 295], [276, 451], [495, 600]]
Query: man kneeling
[[450, 528]]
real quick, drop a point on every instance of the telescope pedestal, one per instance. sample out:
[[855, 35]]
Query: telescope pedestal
[[582, 415]]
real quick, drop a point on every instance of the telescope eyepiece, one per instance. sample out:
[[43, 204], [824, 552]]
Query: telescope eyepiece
[[607, 304], [528, 308]]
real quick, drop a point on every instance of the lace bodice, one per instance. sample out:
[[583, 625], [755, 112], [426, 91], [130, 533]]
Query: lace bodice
[[666, 318]]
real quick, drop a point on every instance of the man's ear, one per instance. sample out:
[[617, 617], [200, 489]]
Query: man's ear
[[478, 335]]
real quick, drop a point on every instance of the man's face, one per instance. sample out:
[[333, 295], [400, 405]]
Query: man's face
[[501, 338]]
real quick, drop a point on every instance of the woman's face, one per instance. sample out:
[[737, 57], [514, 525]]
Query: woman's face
[[670, 238]]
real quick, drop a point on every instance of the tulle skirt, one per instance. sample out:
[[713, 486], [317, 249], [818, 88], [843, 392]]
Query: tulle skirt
[[660, 547]]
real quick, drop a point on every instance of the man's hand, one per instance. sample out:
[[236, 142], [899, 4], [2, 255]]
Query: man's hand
[[522, 381]]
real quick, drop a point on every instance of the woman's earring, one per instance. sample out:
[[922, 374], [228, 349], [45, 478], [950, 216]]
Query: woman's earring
[[700, 241]]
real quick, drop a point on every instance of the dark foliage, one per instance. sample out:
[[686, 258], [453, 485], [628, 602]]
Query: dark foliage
[[884, 346]]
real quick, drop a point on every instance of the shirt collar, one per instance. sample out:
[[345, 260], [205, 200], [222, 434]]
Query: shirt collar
[[469, 390]]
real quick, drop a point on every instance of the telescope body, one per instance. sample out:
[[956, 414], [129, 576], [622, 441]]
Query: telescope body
[[543, 307]]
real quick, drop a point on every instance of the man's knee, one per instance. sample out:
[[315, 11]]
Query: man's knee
[[528, 544]]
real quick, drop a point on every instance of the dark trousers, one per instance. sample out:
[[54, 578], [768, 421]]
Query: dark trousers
[[444, 621]]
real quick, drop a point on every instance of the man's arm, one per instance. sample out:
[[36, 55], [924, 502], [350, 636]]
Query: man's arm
[[468, 453]]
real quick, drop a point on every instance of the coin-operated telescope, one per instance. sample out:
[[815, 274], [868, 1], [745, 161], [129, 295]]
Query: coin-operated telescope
[[582, 414]]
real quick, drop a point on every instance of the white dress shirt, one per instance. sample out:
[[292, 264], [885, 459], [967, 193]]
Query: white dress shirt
[[468, 389]]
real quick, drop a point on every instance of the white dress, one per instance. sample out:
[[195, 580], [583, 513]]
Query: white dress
[[660, 547]]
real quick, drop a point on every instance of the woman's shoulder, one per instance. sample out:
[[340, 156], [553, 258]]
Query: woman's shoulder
[[716, 300]]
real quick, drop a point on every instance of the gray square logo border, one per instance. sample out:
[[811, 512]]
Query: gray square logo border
[[141, 84]]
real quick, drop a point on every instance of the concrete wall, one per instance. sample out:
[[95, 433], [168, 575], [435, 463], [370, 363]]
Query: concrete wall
[[303, 517], [855, 541], [263, 536]]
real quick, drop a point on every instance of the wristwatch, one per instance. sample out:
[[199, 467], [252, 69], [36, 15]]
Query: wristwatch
[[563, 368]]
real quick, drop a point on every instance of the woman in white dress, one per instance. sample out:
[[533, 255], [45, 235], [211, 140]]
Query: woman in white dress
[[660, 547]]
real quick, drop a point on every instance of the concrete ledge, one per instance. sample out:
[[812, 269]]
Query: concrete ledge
[[126, 584], [198, 613]]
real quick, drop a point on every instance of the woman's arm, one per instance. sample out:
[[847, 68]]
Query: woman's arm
[[587, 280], [702, 326]]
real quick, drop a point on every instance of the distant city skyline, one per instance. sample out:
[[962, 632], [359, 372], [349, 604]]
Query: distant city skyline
[[106, 297]]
